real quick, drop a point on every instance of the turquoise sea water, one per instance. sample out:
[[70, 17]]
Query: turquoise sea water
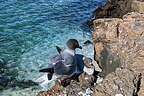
[[30, 30]]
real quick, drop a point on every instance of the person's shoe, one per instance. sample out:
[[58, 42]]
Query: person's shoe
[[50, 70], [65, 82], [49, 76]]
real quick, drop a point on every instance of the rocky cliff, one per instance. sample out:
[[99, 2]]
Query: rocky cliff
[[119, 48], [118, 8]]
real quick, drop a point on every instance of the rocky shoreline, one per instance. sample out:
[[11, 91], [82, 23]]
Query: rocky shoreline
[[119, 42], [118, 38]]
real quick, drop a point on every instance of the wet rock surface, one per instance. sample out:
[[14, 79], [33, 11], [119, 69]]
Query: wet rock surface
[[122, 39]]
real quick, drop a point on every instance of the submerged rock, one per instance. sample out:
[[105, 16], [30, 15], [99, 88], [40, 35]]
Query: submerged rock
[[20, 92], [3, 82]]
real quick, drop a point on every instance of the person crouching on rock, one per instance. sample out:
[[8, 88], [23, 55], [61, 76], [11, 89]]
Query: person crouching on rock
[[64, 64], [67, 65]]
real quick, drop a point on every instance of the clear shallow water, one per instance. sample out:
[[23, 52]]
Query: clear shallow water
[[30, 30]]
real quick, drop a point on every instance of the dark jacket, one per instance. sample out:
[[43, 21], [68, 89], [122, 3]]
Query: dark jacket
[[67, 64]]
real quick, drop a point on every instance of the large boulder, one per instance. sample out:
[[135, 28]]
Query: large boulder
[[118, 8], [122, 81], [105, 39], [120, 43], [138, 5]]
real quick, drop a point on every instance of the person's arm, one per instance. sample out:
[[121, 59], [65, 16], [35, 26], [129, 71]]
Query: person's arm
[[61, 68], [65, 67], [68, 60]]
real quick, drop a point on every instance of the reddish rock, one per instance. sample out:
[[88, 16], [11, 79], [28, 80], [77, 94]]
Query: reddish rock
[[138, 6], [105, 38], [122, 81], [118, 8], [120, 43], [55, 91], [114, 8]]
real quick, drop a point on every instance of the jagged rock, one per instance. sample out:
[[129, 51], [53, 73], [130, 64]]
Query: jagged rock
[[74, 89], [118, 8], [75, 86], [131, 41], [105, 39], [138, 5], [102, 25], [120, 43], [58, 90], [87, 78], [122, 81], [55, 91], [114, 8]]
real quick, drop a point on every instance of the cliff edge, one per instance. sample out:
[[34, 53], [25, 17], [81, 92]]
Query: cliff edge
[[118, 38], [119, 48], [118, 8]]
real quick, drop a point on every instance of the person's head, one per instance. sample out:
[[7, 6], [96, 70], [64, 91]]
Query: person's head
[[73, 44]]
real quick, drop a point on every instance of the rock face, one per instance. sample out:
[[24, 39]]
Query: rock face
[[120, 43], [122, 81], [105, 39], [119, 50], [114, 8], [138, 5], [74, 89], [118, 8]]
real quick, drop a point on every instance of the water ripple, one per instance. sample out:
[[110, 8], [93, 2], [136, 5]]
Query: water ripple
[[29, 30]]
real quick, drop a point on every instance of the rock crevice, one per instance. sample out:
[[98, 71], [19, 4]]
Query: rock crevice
[[118, 8], [119, 51], [138, 85]]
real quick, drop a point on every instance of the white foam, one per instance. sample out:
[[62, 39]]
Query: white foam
[[45, 83], [118, 95], [99, 80]]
